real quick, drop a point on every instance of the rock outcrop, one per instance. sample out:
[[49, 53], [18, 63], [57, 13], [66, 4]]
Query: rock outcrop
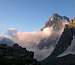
[[16, 55], [66, 60]]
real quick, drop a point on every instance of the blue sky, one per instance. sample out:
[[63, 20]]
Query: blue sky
[[29, 15]]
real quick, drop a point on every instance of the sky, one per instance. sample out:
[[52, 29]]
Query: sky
[[30, 15]]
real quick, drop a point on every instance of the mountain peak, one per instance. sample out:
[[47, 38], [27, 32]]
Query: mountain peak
[[56, 21]]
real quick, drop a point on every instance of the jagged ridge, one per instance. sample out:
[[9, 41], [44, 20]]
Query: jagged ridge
[[16, 55]]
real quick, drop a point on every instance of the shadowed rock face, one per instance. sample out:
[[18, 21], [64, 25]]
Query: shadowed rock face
[[16, 55], [63, 43]]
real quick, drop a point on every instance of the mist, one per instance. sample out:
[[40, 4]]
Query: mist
[[42, 43]]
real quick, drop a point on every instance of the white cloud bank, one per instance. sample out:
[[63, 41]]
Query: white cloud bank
[[41, 42]]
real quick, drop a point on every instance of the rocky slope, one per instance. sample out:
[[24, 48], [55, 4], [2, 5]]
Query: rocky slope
[[16, 55], [66, 60]]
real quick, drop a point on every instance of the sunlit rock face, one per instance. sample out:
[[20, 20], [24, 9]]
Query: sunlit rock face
[[42, 42], [57, 21]]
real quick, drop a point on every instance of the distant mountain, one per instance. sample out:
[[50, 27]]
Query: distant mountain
[[6, 40]]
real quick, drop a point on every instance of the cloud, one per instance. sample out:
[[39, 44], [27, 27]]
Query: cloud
[[41, 42], [12, 31]]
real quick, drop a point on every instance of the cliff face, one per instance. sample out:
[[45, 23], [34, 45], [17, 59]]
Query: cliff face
[[16, 55], [63, 43], [68, 57]]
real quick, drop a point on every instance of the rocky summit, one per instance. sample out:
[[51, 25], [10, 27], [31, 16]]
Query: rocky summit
[[56, 21]]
